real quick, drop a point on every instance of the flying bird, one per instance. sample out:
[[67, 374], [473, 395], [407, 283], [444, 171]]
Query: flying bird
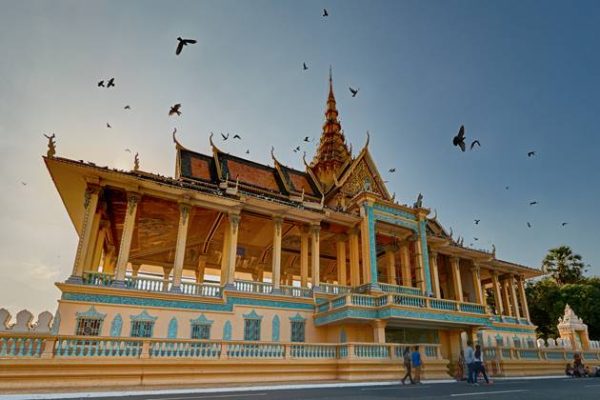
[[225, 137], [306, 139], [531, 203], [127, 150], [354, 91], [183, 42], [392, 170], [477, 221], [531, 154], [304, 67], [236, 136], [475, 142], [175, 109], [475, 238], [101, 84], [127, 107], [110, 83], [247, 151], [506, 187], [23, 183], [108, 125], [564, 224], [528, 225], [459, 139], [297, 149], [325, 13]]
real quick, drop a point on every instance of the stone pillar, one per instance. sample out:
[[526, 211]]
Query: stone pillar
[[225, 254], [166, 278], [354, 258], [435, 277], [420, 268], [90, 203], [365, 238], [476, 275], [200, 269], [108, 264], [456, 282], [515, 300], [497, 294], [304, 256], [506, 297], [276, 259], [405, 264], [184, 217], [99, 247], [341, 260], [523, 297], [379, 331], [234, 221], [390, 254], [315, 255], [132, 202], [135, 269]]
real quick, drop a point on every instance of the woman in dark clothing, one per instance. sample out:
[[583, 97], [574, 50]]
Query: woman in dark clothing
[[479, 366]]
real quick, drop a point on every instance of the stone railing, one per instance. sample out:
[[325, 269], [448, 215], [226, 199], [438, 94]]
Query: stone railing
[[334, 289], [400, 289], [47, 346], [253, 287], [295, 291], [532, 354], [364, 300]]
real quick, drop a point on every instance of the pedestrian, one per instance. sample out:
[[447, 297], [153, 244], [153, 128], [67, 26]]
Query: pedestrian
[[470, 360], [479, 365], [406, 359], [460, 367], [417, 363]]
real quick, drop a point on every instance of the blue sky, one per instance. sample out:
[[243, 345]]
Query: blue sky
[[520, 75]]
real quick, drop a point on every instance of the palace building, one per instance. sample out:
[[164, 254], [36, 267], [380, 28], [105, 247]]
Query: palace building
[[238, 270]]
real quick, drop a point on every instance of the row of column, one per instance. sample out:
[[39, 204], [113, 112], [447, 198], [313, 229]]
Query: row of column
[[405, 265], [508, 295]]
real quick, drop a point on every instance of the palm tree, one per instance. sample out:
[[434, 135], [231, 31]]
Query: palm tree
[[564, 266]]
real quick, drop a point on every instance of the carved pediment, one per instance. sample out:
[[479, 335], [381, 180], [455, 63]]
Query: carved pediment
[[361, 179]]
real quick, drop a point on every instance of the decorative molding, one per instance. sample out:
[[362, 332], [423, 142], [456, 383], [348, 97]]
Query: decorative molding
[[275, 329], [143, 316], [184, 209], [90, 313], [252, 315], [201, 320], [116, 326], [227, 330], [394, 211], [172, 330], [132, 202], [297, 318], [372, 242]]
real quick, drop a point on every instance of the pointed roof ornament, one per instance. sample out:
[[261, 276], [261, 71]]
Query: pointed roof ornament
[[273, 156], [212, 144], [368, 140]]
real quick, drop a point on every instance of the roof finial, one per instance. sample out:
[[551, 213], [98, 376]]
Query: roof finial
[[330, 79]]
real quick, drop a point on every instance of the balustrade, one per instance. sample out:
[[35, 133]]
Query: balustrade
[[472, 308], [334, 289], [165, 349], [21, 346], [295, 291], [97, 279], [313, 351], [255, 350], [338, 302], [253, 287], [371, 351], [411, 301], [400, 289], [97, 347], [200, 289], [145, 284], [442, 304]]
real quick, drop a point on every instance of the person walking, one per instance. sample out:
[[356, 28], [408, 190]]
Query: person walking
[[417, 363], [406, 359], [479, 365], [470, 360]]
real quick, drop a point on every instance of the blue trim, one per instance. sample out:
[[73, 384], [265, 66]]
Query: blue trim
[[90, 313], [275, 325], [297, 318], [391, 210], [508, 329], [425, 255], [143, 316], [172, 333], [227, 330], [116, 326], [201, 320], [397, 221], [372, 242], [187, 305], [252, 315]]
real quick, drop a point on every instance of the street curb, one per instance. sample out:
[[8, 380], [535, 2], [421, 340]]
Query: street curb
[[75, 395]]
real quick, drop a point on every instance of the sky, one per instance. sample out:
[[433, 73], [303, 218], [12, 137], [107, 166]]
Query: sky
[[520, 75]]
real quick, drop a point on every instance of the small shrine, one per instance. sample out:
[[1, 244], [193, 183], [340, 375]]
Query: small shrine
[[572, 329]]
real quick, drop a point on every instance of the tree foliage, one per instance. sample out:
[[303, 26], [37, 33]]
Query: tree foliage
[[563, 265]]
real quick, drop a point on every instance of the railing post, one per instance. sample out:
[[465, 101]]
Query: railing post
[[288, 351], [48, 350], [351, 355], [145, 349], [223, 355]]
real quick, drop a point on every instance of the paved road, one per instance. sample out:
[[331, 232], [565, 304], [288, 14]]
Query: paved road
[[542, 389]]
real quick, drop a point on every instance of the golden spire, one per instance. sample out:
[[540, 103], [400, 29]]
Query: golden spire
[[333, 152]]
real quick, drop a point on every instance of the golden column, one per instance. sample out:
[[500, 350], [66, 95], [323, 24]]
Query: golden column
[[99, 247], [314, 235], [166, 277], [456, 280], [276, 259], [96, 232], [506, 297], [90, 203], [476, 275], [354, 258], [108, 264], [304, 256], [435, 277], [523, 296], [497, 294], [234, 222], [390, 254], [420, 269], [341, 260], [405, 261], [135, 269], [366, 248], [182, 231], [200, 269], [225, 254], [132, 202], [515, 300]]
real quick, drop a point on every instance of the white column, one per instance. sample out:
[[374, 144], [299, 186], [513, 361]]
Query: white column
[[99, 247], [420, 268], [366, 250], [506, 296], [89, 258], [354, 258], [315, 256], [456, 280], [435, 277], [225, 254], [166, 278], [497, 294], [405, 264], [182, 231], [90, 203], [341, 260], [200, 269], [128, 226], [523, 296], [476, 276], [390, 254], [234, 221], [514, 297], [276, 261], [304, 257]]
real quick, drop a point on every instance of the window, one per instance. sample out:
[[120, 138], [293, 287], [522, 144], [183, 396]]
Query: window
[[88, 326], [252, 329], [200, 331], [298, 329], [142, 329]]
